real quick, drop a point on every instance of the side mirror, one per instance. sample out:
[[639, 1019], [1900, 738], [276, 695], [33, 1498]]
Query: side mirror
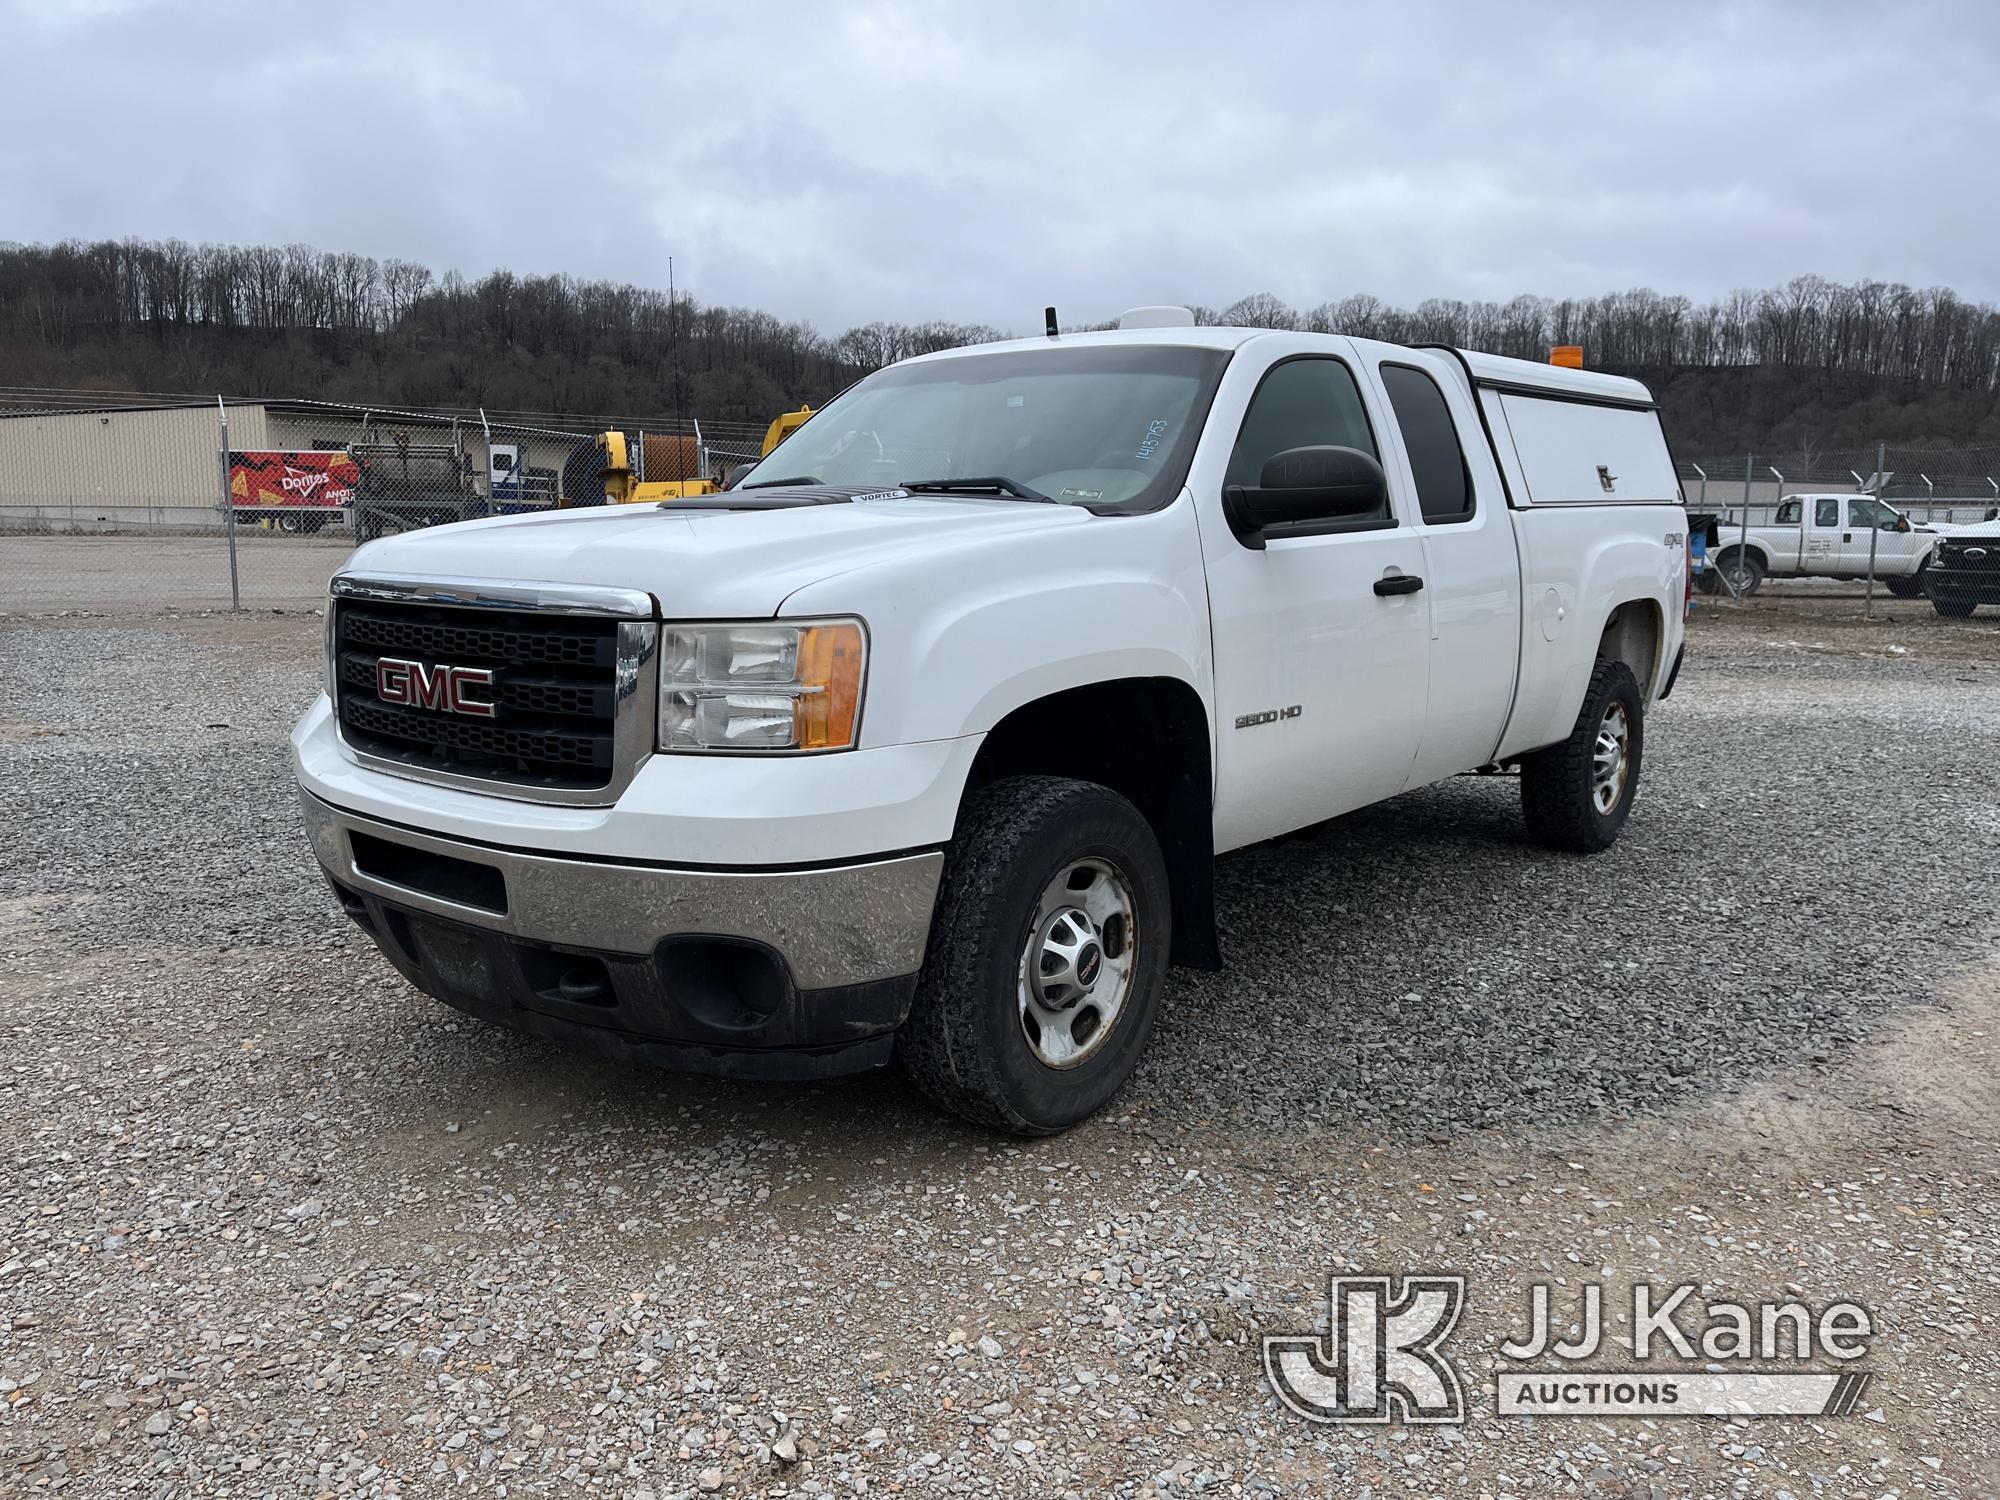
[[1321, 483]]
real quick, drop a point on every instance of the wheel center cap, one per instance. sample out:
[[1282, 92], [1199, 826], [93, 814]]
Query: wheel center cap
[[1088, 962]]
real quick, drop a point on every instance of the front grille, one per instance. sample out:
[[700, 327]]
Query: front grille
[[1972, 557], [554, 690]]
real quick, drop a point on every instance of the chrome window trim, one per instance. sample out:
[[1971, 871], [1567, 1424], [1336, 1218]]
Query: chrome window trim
[[636, 679], [496, 593]]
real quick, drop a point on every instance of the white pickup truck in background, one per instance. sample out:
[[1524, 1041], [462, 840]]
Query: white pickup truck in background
[[1824, 536], [921, 741]]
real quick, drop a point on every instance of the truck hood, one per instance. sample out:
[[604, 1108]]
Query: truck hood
[[705, 561], [1974, 531]]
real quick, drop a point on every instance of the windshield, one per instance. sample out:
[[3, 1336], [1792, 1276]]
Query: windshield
[[1102, 427]]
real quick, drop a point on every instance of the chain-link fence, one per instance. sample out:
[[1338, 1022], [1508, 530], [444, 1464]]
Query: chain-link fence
[[144, 502], [138, 502], [1870, 518]]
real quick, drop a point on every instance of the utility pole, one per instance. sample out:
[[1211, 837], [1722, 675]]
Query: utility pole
[[674, 353]]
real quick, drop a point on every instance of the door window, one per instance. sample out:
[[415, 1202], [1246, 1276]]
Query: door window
[[1437, 458], [1865, 512], [1826, 512], [1302, 403]]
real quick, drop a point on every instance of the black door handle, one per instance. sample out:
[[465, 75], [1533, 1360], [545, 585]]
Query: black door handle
[[1398, 583], [1847, 536]]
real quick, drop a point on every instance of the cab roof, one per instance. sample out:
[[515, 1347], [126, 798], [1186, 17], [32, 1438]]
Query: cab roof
[[1478, 369]]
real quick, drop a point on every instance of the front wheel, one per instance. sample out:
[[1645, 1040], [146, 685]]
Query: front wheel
[[1047, 956], [1953, 608], [1577, 795], [1905, 588]]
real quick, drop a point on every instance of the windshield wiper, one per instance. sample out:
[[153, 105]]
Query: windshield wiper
[[986, 484], [769, 484]]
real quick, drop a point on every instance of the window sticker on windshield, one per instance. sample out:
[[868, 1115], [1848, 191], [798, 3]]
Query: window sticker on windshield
[[1084, 494], [1017, 400], [1156, 436]]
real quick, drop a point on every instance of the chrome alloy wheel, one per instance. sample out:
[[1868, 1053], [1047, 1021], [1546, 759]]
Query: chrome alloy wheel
[[1076, 973], [1610, 759]]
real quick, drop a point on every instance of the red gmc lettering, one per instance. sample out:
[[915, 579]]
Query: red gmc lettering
[[439, 687]]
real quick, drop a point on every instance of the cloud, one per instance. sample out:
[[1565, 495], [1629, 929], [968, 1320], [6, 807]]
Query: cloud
[[846, 162]]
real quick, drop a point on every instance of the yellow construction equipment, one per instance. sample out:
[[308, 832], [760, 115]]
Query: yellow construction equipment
[[681, 459], [784, 425], [676, 460]]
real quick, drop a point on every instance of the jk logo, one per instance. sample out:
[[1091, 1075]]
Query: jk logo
[[1380, 1359]]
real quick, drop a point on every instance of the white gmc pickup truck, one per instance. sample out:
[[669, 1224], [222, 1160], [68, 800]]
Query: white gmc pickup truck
[[921, 742]]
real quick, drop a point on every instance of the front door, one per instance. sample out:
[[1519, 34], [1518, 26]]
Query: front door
[[1870, 522], [1320, 681]]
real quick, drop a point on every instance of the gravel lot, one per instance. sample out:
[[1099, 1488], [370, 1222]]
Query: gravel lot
[[273, 1223], [145, 573]]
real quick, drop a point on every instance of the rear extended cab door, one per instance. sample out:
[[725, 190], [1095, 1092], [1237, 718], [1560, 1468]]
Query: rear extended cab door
[[1438, 453], [1785, 540], [1824, 553]]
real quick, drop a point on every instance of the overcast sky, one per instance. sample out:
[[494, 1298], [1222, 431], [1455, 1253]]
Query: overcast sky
[[842, 162]]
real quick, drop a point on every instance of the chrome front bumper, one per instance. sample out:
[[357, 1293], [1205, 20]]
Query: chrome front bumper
[[833, 927]]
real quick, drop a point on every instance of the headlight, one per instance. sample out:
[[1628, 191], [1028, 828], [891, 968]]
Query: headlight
[[761, 687]]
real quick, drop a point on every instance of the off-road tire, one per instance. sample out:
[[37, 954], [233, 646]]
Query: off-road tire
[[1556, 783], [963, 1046]]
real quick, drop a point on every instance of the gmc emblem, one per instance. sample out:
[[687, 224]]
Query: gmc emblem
[[440, 687]]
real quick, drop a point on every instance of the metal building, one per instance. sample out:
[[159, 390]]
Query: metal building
[[157, 464]]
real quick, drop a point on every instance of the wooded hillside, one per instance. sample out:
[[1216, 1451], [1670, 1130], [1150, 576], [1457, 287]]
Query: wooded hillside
[[1800, 368]]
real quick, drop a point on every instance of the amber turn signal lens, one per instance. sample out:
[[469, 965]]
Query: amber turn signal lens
[[828, 707]]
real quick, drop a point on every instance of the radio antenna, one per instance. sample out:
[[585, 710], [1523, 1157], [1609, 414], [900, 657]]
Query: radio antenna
[[673, 361]]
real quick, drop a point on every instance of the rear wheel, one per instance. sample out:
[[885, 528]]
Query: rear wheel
[[1577, 795], [1047, 956], [1744, 572]]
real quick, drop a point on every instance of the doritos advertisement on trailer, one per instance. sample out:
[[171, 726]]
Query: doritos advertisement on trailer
[[266, 479]]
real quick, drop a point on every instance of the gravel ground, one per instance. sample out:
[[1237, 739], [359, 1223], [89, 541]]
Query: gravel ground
[[272, 1223], [147, 572]]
